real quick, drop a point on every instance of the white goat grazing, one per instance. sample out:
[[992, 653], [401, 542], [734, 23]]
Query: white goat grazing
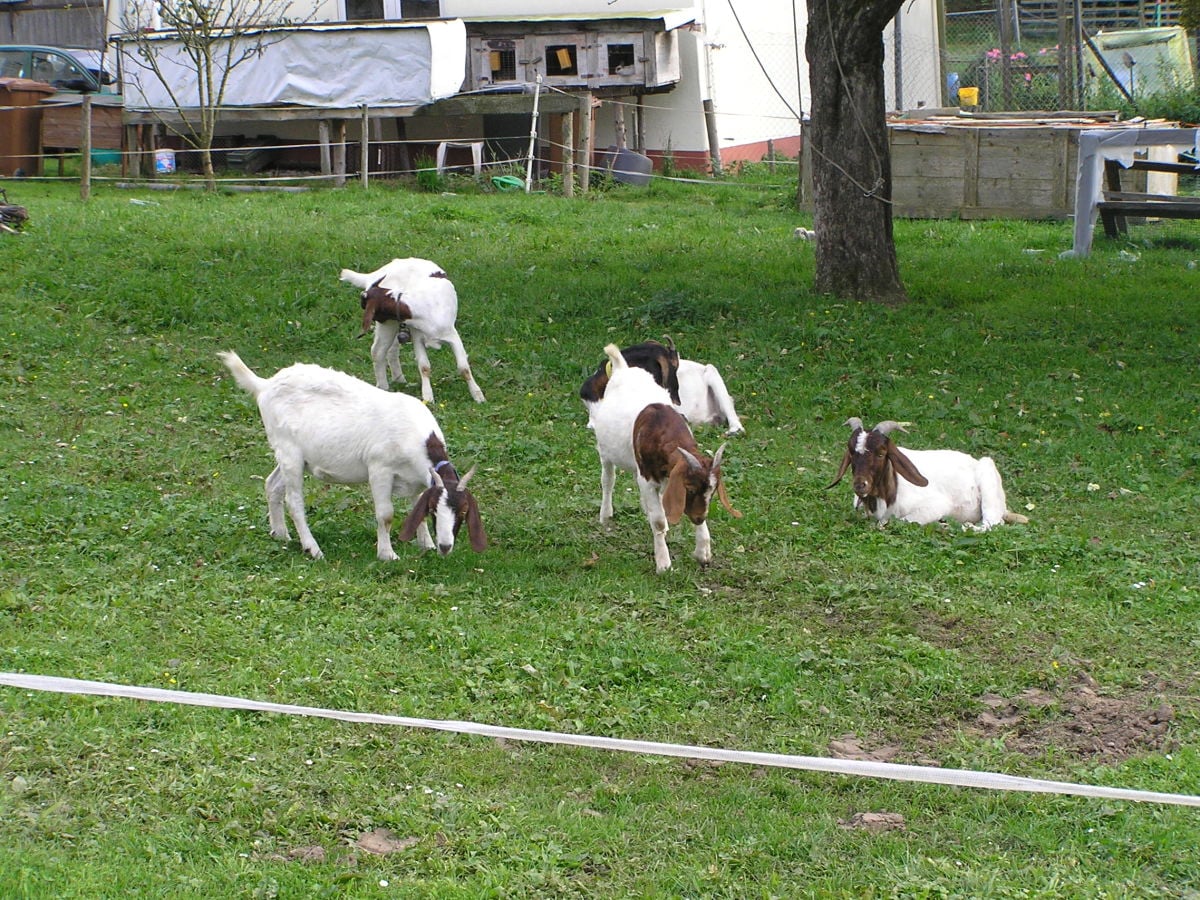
[[415, 293], [345, 431], [637, 429], [933, 484]]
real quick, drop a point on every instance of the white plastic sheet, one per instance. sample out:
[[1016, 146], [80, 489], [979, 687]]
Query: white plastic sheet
[[325, 67]]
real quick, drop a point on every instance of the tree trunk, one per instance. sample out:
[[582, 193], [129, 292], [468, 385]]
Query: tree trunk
[[851, 163]]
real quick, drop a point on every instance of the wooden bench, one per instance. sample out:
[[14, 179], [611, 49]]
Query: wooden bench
[[1118, 205]]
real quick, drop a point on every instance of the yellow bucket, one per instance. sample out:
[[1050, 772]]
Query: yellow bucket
[[968, 96]]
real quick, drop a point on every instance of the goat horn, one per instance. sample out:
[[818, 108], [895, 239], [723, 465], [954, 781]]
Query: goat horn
[[717, 456], [885, 427], [691, 460], [670, 343], [437, 479], [462, 482], [854, 422]]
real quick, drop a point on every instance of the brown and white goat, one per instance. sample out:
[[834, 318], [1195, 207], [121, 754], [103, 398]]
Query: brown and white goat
[[922, 486], [637, 429], [415, 294], [346, 431], [697, 389], [675, 479]]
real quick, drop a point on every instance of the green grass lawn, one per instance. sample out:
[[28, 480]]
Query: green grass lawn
[[134, 549]]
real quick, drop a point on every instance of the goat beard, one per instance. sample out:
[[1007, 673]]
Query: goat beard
[[888, 483]]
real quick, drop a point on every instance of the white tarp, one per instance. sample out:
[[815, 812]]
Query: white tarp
[[339, 66]]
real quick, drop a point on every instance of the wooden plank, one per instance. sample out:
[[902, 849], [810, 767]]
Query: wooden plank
[[971, 172], [1064, 171], [1144, 197], [1180, 208], [1155, 165]]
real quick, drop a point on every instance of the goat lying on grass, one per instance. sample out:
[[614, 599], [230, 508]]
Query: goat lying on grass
[[933, 484], [414, 293], [345, 431], [697, 390], [638, 430]]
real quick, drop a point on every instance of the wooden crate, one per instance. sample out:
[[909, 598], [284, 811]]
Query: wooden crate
[[981, 172]]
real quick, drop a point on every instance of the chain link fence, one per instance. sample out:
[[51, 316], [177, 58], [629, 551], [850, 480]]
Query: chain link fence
[[1010, 55]]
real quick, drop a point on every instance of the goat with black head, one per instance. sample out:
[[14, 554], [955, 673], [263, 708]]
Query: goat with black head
[[697, 389], [922, 486]]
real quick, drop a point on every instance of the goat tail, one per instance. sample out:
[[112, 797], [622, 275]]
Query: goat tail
[[1012, 518], [359, 280], [616, 361], [242, 374]]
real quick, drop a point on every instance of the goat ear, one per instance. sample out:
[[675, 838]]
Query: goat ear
[[846, 460], [664, 370], [724, 497], [904, 466], [674, 498], [370, 304], [420, 509], [475, 530]]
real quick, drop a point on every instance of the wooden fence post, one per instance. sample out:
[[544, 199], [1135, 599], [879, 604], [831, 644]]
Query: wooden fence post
[[364, 150], [568, 151], [586, 126]]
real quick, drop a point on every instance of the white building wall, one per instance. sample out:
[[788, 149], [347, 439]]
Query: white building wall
[[919, 82], [752, 52]]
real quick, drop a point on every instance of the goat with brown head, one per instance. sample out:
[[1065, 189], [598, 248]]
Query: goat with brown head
[[875, 461], [676, 479]]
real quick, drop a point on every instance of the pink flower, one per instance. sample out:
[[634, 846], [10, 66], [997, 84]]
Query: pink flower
[[1018, 55], [994, 53]]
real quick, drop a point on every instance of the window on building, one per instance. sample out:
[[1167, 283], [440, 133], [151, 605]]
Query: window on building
[[562, 59], [363, 9], [621, 60], [502, 59], [420, 9]]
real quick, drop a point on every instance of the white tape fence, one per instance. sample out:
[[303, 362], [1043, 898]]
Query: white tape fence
[[892, 771]]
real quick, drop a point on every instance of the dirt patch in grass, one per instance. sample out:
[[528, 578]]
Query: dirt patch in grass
[[1080, 720]]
